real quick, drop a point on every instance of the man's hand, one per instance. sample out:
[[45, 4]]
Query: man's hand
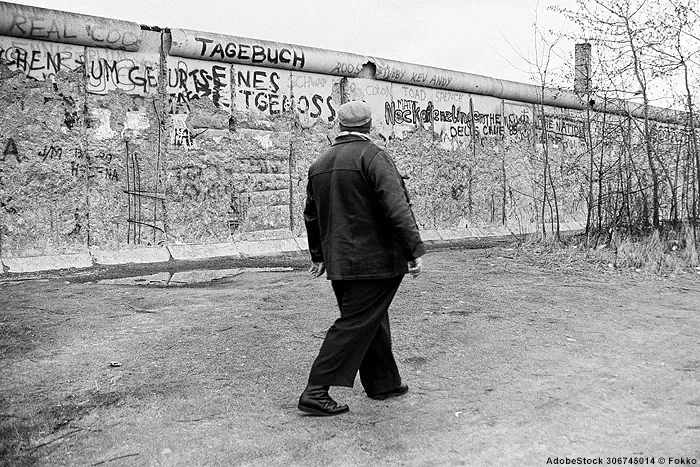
[[317, 269], [415, 267]]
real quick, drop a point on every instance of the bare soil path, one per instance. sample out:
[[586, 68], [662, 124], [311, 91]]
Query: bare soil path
[[510, 363]]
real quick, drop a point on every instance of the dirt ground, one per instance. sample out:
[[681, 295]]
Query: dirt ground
[[511, 361]]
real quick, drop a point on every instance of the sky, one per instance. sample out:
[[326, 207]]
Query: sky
[[495, 38]]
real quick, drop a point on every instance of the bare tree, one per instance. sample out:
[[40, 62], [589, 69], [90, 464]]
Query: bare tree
[[678, 52], [621, 28]]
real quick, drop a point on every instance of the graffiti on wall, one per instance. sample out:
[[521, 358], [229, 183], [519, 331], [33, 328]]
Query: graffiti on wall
[[274, 92], [262, 89], [256, 54], [313, 98], [52, 28], [561, 125], [192, 183], [562, 129], [39, 60], [191, 80], [459, 120], [10, 151], [108, 70], [68, 159]]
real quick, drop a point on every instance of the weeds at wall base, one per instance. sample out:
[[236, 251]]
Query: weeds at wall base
[[669, 251]]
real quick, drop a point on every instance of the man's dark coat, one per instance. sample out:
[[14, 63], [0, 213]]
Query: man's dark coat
[[358, 218]]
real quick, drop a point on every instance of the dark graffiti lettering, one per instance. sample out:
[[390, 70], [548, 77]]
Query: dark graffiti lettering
[[218, 49], [483, 125], [489, 124], [314, 106], [219, 82], [316, 100], [329, 101], [274, 87], [270, 102], [94, 166], [179, 102], [408, 111], [258, 54], [262, 91], [122, 74], [254, 53], [182, 137], [303, 105], [144, 80], [243, 52], [561, 125], [51, 153], [285, 58], [34, 63], [460, 131], [108, 173], [39, 63], [186, 85], [11, 150], [79, 163]]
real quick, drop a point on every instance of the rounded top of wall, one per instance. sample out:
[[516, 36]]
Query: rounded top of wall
[[93, 31], [71, 28], [234, 49]]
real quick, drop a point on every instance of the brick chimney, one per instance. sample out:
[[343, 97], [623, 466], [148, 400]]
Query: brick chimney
[[582, 69]]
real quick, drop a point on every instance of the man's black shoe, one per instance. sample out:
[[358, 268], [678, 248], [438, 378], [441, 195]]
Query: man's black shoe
[[315, 400], [380, 396]]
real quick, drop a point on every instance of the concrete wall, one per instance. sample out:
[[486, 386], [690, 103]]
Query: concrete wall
[[115, 138]]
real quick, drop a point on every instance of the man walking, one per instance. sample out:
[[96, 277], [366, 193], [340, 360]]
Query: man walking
[[362, 232]]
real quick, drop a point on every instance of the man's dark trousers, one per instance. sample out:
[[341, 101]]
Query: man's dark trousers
[[360, 339]]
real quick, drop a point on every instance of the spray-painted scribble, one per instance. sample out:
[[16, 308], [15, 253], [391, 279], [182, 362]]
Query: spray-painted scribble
[[137, 196], [109, 70], [40, 60], [194, 79]]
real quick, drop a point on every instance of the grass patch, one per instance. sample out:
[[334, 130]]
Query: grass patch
[[659, 253]]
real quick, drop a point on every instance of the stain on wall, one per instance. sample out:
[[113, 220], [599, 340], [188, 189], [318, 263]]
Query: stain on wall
[[124, 145], [42, 181]]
